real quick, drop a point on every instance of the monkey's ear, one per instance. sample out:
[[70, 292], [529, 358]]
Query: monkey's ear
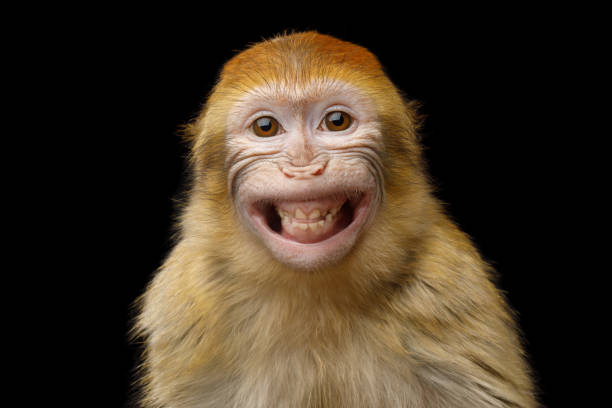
[[189, 131], [205, 144], [413, 109], [189, 135]]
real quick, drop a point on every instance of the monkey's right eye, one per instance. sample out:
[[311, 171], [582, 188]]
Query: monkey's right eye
[[265, 127]]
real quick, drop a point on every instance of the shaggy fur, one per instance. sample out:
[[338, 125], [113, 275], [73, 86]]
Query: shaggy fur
[[409, 318]]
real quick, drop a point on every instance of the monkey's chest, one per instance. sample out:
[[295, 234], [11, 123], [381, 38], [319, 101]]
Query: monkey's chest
[[347, 374]]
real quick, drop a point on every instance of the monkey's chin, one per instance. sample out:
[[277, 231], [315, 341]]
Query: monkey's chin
[[314, 233]]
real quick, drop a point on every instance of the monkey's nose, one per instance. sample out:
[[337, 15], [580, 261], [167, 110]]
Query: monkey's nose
[[304, 172]]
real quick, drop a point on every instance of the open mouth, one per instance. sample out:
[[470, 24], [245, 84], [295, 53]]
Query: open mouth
[[311, 221]]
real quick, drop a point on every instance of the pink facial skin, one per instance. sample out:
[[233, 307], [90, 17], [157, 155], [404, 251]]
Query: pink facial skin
[[307, 192]]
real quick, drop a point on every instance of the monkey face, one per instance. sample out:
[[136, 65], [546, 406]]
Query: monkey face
[[304, 168]]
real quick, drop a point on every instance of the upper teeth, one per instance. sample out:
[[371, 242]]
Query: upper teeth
[[315, 214]]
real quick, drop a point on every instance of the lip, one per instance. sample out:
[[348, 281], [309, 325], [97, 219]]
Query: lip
[[315, 254]]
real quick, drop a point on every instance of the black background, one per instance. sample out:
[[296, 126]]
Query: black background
[[488, 86]]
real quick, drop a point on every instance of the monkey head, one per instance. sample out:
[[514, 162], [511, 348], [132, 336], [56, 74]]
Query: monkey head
[[306, 137]]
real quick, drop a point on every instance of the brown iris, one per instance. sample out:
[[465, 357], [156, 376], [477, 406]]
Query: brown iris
[[265, 126], [337, 121]]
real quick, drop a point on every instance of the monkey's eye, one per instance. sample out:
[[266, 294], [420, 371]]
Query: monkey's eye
[[265, 126], [337, 121]]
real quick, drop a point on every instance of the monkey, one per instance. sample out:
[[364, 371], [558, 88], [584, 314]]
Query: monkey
[[314, 266]]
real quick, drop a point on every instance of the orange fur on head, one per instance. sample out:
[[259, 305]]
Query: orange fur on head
[[405, 315]]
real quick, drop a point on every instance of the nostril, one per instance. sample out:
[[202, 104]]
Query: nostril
[[318, 169], [304, 172]]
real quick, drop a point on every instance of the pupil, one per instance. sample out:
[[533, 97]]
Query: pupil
[[337, 119], [265, 124]]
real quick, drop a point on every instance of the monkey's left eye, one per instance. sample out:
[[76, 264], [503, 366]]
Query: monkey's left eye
[[337, 121], [265, 127]]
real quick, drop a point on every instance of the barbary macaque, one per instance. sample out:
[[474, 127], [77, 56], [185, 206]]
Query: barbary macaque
[[313, 266]]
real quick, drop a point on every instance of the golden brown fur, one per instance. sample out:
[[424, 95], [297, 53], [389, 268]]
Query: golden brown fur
[[409, 318]]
